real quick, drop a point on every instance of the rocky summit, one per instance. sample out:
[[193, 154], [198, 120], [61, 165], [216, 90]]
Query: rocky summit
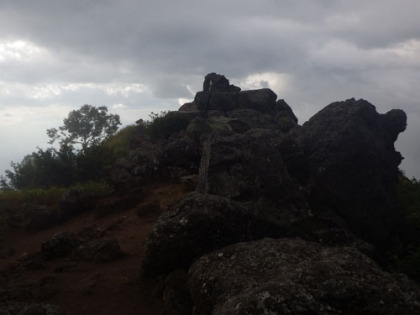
[[282, 218], [226, 206]]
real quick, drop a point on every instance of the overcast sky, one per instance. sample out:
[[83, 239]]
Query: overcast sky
[[140, 56]]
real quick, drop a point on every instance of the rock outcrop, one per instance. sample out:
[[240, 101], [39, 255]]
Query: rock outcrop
[[353, 167], [293, 276], [324, 193]]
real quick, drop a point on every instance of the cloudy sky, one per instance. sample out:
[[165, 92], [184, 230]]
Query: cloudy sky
[[140, 56]]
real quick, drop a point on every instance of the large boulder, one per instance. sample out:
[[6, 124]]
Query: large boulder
[[262, 100], [217, 94], [352, 166], [293, 276], [199, 224], [104, 250], [59, 245], [214, 82], [202, 223]]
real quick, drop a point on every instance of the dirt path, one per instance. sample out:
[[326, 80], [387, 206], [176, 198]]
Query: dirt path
[[84, 287]]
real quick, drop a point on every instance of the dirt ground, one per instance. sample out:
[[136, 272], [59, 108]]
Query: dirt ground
[[86, 287]]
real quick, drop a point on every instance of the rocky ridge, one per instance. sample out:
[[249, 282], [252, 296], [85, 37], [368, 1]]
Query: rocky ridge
[[285, 219], [257, 215]]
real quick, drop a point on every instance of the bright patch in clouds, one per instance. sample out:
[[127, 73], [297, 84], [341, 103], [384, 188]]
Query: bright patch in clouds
[[182, 101], [118, 106], [278, 82], [51, 90], [125, 90], [409, 51], [19, 50]]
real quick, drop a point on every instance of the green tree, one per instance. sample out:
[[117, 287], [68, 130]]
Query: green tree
[[42, 169], [87, 127]]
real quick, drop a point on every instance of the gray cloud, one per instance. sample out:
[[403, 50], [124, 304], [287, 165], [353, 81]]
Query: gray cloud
[[311, 52]]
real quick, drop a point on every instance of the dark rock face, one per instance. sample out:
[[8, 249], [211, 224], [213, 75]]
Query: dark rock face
[[100, 251], [293, 276], [214, 82], [349, 148], [132, 171], [262, 100], [331, 183], [217, 94], [198, 225]]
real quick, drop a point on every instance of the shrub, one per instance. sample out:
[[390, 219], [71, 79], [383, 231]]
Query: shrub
[[165, 124], [409, 203], [120, 143]]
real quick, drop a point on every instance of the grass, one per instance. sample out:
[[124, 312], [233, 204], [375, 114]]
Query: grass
[[13, 199]]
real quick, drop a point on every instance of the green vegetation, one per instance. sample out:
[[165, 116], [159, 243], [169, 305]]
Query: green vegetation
[[87, 127], [49, 197], [165, 124], [409, 201], [80, 163], [121, 142], [81, 157], [88, 143]]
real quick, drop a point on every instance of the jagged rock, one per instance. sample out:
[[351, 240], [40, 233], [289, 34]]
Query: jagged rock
[[134, 170], [261, 100], [217, 94], [293, 276], [59, 245], [188, 107], [214, 82], [203, 222], [140, 168], [100, 251], [285, 116], [352, 166], [179, 152], [251, 119], [216, 100], [331, 182], [269, 174], [250, 166], [200, 223]]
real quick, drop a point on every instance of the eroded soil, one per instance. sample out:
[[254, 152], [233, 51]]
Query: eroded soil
[[80, 287]]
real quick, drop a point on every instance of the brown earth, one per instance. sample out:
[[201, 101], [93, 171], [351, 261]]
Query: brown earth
[[87, 287]]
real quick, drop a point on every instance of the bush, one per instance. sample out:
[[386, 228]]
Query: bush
[[409, 203], [121, 142], [165, 124]]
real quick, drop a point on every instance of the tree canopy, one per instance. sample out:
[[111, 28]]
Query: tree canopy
[[82, 155], [87, 126]]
